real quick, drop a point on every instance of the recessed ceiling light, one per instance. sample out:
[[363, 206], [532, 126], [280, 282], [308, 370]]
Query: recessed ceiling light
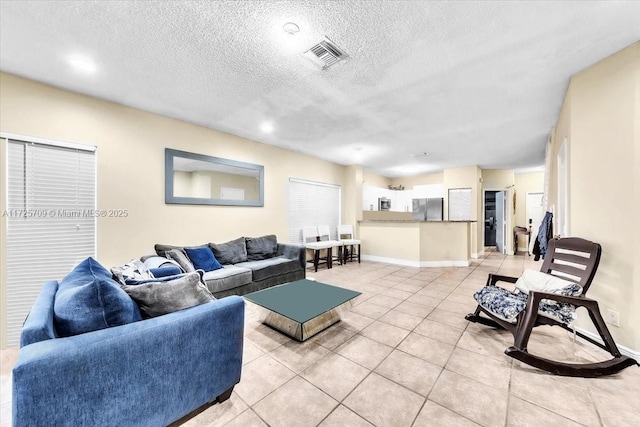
[[82, 64], [266, 127], [290, 28]]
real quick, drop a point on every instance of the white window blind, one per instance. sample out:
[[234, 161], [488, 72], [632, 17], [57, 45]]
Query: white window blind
[[459, 204], [312, 203], [51, 224]]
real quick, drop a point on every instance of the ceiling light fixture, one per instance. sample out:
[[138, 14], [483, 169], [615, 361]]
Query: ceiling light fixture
[[266, 127], [82, 64], [290, 28]]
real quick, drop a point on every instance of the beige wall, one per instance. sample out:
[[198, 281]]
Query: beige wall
[[440, 241], [130, 170], [352, 195], [416, 243], [498, 179], [424, 179], [526, 183], [400, 241], [374, 180], [467, 177], [250, 185], [601, 121]]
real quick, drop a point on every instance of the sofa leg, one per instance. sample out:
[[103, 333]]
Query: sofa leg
[[224, 396]]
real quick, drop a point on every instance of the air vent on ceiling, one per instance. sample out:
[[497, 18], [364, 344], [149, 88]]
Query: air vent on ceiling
[[419, 154], [325, 54]]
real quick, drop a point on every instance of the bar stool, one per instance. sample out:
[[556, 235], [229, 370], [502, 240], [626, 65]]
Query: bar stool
[[310, 240], [324, 231], [348, 241]]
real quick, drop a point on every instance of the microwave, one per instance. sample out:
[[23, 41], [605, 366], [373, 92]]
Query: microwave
[[384, 204]]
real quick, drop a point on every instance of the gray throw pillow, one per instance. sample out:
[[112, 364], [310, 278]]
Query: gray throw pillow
[[231, 252], [158, 298], [181, 258], [261, 247], [162, 249]]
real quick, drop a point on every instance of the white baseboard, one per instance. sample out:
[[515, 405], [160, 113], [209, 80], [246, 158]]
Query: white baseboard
[[474, 255], [412, 263], [624, 350]]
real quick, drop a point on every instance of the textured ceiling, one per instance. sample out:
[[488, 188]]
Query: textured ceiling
[[471, 83]]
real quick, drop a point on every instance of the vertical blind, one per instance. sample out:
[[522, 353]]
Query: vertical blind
[[51, 223], [312, 203]]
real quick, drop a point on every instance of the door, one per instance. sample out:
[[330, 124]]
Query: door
[[501, 221], [490, 218], [535, 213]]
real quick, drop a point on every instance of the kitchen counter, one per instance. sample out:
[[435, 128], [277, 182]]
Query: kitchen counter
[[416, 243], [411, 220]]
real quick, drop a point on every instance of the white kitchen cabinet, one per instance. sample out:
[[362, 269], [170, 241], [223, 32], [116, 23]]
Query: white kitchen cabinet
[[401, 200]]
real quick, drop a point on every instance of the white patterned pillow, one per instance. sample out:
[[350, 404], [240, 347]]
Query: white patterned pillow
[[532, 280]]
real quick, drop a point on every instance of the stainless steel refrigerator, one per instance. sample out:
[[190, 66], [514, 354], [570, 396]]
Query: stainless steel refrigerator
[[428, 209]]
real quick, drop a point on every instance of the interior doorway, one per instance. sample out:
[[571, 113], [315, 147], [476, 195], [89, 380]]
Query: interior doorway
[[490, 218], [495, 219]]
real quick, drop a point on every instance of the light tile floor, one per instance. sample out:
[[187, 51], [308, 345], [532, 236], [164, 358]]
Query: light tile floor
[[405, 356]]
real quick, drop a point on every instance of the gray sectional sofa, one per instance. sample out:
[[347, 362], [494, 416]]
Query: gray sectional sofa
[[249, 264]]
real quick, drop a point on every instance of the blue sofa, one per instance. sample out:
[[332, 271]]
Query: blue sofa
[[146, 373]]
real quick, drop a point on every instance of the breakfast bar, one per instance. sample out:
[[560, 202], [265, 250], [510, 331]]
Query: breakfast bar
[[417, 243]]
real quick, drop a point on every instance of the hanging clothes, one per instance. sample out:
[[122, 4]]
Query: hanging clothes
[[545, 233]]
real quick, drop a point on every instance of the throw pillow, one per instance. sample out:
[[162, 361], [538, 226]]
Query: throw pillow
[[261, 247], [231, 252], [154, 261], [183, 261], [168, 270], [88, 299], [161, 250], [158, 298], [202, 258], [533, 280]]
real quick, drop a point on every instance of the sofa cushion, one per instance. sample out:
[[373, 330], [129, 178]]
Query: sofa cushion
[[227, 277], [180, 257], [232, 252], [271, 267], [158, 298], [202, 258], [261, 247], [507, 305], [88, 299], [503, 303]]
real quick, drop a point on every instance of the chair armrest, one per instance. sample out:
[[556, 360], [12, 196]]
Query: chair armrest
[[39, 323], [150, 372], [495, 278], [582, 301]]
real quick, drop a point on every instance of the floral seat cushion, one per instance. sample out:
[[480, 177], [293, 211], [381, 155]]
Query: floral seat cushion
[[506, 305]]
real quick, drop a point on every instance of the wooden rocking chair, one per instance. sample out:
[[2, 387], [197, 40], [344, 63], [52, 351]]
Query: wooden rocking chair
[[571, 259]]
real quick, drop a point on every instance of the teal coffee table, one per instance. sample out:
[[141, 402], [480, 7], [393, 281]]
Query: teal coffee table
[[302, 308]]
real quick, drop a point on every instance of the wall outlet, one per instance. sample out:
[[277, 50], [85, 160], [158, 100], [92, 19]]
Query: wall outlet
[[613, 317]]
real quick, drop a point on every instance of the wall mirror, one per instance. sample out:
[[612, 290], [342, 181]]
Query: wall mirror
[[196, 179]]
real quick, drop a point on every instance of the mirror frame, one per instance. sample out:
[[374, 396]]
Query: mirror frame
[[169, 198]]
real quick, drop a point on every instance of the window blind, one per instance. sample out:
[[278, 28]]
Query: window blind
[[312, 203], [459, 204], [51, 223]]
